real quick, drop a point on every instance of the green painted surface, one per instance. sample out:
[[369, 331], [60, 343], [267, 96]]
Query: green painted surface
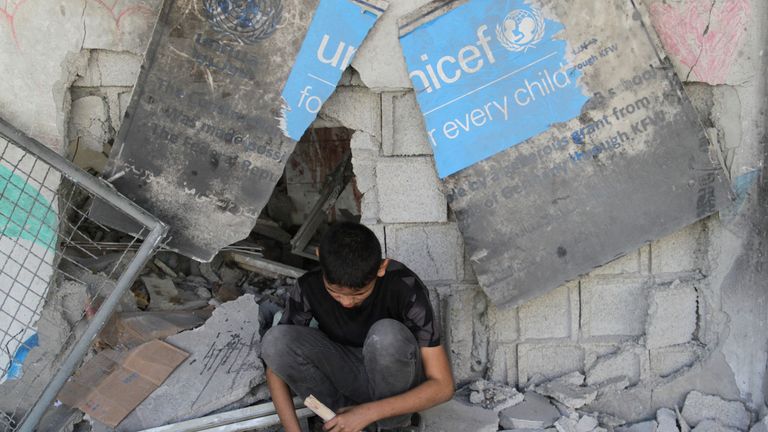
[[24, 212]]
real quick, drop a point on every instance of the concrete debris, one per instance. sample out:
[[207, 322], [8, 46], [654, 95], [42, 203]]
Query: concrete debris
[[681, 421], [569, 395], [699, 407], [709, 425], [163, 295], [667, 420], [761, 426], [586, 424], [223, 366], [647, 426], [494, 396], [457, 416], [573, 378], [565, 424], [534, 412], [624, 363], [614, 385]]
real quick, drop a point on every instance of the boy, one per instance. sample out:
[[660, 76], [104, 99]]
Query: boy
[[376, 356]]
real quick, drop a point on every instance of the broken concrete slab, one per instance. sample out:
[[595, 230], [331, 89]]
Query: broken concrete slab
[[710, 425], [699, 407], [566, 424], [534, 412], [222, 98], [569, 395], [667, 420], [586, 424], [647, 426], [494, 396], [501, 192], [457, 416], [573, 378], [223, 366], [761, 426]]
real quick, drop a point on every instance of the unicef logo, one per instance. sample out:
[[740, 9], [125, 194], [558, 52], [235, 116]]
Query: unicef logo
[[521, 29], [249, 21]]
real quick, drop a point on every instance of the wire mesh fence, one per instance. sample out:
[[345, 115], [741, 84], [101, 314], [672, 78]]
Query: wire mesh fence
[[58, 282]]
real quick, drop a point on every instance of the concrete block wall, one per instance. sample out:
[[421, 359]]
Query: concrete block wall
[[668, 317]]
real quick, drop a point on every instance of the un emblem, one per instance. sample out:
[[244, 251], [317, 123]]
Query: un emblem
[[521, 29], [248, 21]]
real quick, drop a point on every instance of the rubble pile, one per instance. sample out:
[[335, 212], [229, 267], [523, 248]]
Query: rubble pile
[[563, 405]]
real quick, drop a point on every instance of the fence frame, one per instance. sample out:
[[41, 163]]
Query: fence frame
[[103, 190]]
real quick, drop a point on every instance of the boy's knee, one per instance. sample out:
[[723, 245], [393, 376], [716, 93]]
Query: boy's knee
[[388, 336], [274, 346]]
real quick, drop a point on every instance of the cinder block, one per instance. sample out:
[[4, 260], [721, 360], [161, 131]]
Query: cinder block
[[613, 306], [547, 361], [365, 152], [504, 323], [380, 60], [548, 316], [671, 315], [433, 251], [502, 367], [666, 361], [379, 231], [593, 351], [402, 125], [678, 252], [111, 69], [625, 363], [355, 108], [409, 191], [461, 310], [89, 123]]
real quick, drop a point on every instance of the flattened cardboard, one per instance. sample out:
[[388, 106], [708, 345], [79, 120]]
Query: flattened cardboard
[[110, 385]]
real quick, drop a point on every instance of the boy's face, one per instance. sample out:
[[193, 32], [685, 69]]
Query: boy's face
[[349, 297]]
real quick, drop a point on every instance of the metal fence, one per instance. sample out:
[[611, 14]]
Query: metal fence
[[58, 284]]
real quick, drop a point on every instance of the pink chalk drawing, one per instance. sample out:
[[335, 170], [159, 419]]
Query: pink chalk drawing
[[703, 35], [8, 11], [117, 9]]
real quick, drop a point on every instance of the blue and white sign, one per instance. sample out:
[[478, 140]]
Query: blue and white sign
[[337, 30], [489, 75]]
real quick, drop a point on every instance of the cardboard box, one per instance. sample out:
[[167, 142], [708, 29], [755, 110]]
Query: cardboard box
[[110, 385]]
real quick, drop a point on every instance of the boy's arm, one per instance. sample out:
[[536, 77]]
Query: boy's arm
[[437, 389], [281, 397]]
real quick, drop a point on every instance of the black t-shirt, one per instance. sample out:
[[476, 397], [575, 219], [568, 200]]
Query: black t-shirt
[[399, 295]]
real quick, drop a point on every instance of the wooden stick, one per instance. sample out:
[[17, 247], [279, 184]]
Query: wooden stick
[[318, 408]]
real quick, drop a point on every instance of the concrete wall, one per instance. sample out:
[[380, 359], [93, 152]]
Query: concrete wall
[[685, 312]]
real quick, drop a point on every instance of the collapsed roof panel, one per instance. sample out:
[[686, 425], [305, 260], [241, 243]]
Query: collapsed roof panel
[[226, 90], [561, 133]]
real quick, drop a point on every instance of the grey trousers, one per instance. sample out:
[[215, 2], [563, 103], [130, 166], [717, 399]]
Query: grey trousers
[[389, 363]]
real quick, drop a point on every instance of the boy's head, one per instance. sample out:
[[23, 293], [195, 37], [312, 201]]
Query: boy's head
[[350, 255]]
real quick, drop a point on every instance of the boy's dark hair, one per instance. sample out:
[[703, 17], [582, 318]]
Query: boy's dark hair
[[350, 254]]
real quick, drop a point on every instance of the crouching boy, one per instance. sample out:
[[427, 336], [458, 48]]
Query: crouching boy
[[376, 355]]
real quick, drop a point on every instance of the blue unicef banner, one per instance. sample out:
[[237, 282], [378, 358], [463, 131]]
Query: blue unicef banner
[[227, 89], [563, 142], [337, 29], [489, 75]]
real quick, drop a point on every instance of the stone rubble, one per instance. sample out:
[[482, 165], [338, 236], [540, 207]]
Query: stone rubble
[[699, 407], [494, 396], [534, 412], [667, 420]]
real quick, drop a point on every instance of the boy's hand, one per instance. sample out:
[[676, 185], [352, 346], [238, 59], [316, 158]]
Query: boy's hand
[[349, 419]]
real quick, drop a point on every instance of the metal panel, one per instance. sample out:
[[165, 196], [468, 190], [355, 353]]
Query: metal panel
[[210, 127], [564, 138]]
